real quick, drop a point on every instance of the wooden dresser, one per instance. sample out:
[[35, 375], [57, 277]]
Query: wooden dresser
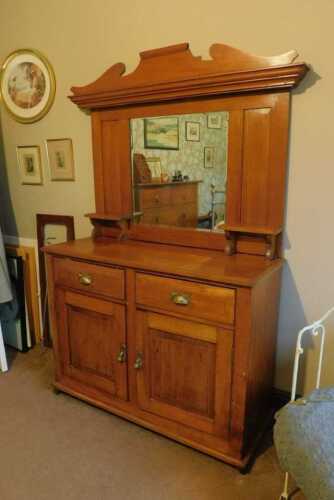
[[171, 203], [174, 328]]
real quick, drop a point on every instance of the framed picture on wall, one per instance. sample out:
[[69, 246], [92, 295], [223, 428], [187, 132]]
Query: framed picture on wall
[[28, 85], [29, 163], [209, 156], [161, 133], [192, 131], [61, 159], [214, 120]]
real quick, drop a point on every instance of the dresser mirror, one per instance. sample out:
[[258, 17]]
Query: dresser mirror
[[179, 166], [156, 133]]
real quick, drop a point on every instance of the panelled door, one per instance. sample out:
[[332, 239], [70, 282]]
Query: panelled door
[[92, 342], [184, 371]]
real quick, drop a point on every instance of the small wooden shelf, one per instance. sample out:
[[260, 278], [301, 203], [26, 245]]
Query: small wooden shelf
[[271, 234], [254, 229], [119, 223]]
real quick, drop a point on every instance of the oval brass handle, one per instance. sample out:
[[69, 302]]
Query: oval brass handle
[[156, 199], [180, 299], [121, 358], [85, 279], [139, 361]]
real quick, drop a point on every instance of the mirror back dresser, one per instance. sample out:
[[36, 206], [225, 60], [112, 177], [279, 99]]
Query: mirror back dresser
[[167, 315]]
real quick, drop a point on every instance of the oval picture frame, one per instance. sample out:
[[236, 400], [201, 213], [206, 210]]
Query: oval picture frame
[[27, 85]]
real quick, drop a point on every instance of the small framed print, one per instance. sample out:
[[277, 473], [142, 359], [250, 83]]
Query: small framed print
[[214, 120], [192, 131], [61, 159], [154, 165], [29, 162], [209, 156]]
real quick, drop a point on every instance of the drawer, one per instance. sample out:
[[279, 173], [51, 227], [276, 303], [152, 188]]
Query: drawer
[[182, 216], [154, 197], [190, 299], [186, 193], [89, 277]]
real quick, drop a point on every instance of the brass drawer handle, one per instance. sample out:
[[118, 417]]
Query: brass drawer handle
[[121, 358], [180, 299], [85, 279], [139, 361]]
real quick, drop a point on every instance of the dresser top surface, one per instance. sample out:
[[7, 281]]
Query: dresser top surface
[[206, 265]]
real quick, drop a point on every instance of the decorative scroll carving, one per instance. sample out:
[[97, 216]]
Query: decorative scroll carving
[[234, 59], [174, 73]]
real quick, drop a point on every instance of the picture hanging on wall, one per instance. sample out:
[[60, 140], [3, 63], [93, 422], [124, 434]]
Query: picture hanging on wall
[[161, 133], [29, 162], [61, 159], [192, 131], [214, 120], [28, 85], [209, 156]]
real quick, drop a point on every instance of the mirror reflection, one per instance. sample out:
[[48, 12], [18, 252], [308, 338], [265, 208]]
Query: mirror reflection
[[179, 166]]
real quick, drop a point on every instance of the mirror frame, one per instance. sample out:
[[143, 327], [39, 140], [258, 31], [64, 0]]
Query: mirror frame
[[168, 81]]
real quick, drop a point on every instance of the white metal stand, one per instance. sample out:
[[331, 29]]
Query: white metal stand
[[3, 359], [316, 328]]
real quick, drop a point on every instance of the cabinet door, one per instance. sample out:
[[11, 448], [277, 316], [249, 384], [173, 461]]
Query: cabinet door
[[184, 371], [92, 342]]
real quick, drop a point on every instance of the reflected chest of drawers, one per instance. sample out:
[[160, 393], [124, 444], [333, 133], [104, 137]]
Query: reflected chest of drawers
[[174, 203]]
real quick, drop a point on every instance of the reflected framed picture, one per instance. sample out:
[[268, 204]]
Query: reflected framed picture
[[161, 133], [29, 163], [192, 131], [27, 85], [209, 156], [214, 120], [61, 159], [154, 164]]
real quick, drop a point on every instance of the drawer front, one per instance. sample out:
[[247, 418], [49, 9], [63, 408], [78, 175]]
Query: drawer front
[[90, 277], [190, 299], [182, 216], [184, 194], [154, 197]]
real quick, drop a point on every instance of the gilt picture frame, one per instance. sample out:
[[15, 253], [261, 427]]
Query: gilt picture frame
[[154, 164], [27, 85], [61, 159], [29, 163]]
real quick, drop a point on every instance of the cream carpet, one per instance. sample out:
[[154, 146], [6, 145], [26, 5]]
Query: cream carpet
[[54, 447]]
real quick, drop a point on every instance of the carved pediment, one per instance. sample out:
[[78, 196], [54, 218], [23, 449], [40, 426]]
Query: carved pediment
[[173, 72]]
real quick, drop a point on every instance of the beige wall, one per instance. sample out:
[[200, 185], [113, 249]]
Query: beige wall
[[83, 38]]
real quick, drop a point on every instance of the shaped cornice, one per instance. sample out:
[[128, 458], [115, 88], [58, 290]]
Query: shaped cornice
[[173, 73]]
